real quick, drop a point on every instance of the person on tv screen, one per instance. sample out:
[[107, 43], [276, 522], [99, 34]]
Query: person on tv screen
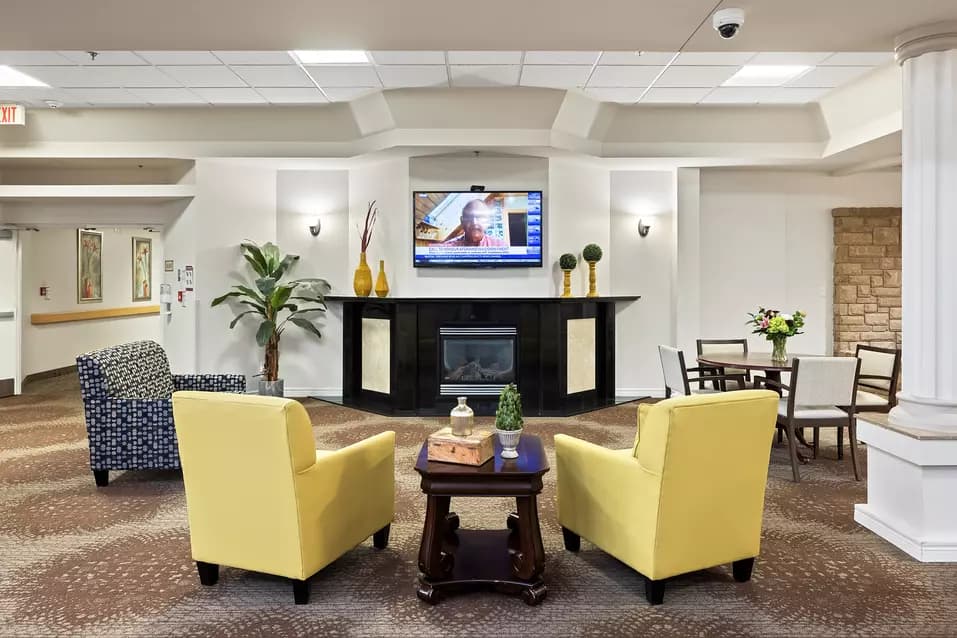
[[475, 219]]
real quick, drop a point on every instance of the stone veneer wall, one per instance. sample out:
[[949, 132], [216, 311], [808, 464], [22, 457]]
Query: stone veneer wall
[[867, 278]]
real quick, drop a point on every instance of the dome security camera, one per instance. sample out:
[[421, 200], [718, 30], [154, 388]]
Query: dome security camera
[[727, 22]]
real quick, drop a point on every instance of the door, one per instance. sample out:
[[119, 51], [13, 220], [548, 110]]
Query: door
[[9, 316]]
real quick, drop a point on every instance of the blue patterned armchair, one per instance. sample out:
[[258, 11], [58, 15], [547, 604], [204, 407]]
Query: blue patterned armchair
[[127, 392]]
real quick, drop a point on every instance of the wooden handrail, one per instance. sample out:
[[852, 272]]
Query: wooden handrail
[[89, 315]]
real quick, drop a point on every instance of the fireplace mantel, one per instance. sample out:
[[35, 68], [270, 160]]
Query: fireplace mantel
[[565, 351]]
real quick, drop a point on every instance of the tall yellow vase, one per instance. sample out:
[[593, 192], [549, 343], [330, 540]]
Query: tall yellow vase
[[381, 283], [362, 280], [566, 283], [592, 280]]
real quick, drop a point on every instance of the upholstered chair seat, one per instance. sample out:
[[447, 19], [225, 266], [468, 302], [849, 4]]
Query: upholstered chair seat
[[689, 495], [260, 497], [868, 399], [126, 394]]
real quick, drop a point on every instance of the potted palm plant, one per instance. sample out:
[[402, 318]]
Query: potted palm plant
[[508, 421], [275, 304]]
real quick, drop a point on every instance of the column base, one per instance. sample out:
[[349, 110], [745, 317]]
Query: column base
[[911, 480], [926, 414]]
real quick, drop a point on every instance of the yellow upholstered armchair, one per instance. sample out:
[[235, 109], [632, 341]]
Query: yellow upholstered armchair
[[688, 496], [261, 497]]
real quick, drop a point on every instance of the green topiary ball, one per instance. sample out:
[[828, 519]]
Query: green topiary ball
[[567, 261], [591, 252]]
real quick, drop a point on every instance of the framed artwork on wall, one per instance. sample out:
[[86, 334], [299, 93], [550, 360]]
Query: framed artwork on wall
[[142, 268], [89, 266]]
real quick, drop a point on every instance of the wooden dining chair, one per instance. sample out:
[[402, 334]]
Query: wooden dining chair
[[722, 346], [880, 371], [676, 374], [822, 393]]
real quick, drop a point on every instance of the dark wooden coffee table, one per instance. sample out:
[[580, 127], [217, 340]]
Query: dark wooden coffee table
[[509, 560]]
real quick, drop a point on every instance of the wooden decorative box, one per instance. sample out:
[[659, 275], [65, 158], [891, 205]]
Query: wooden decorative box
[[474, 449]]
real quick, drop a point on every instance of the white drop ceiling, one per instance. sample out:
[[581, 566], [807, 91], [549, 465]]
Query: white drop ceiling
[[163, 78]]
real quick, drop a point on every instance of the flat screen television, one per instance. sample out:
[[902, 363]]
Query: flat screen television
[[477, 229]]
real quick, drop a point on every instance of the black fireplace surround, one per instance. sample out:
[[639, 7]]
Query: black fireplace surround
[[441, 348]]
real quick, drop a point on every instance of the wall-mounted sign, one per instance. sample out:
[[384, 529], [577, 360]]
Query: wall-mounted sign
[[168, 265], [12, 115]]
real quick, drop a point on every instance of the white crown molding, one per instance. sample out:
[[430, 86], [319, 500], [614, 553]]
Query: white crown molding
[[938, 36]]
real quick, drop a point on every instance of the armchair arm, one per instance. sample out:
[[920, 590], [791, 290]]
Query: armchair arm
[[739, 378], [770, 383], [605, 495], [131, 433], [345, 497], [210, 382]]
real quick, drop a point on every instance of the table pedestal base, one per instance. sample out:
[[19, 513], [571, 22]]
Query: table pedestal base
[[482, 561]]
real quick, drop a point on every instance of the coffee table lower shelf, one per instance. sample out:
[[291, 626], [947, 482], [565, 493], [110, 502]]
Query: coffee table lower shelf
[[481, 560]]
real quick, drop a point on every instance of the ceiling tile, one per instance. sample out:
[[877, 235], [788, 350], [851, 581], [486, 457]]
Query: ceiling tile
[[408, 57], [485, 75], [168, 96], [230, 96], [829, 76], [178, 57], [273, 76], [735, 95], [104, 58], [786, 58], [33, 58], [793, 95], [33, 95], [717, 58], [641, 58], [850, 58], [193, 76], [695, 76], [102, 76], [112, 97], [557, 77], [561, 57], [344, 94], [485, 57], [674, 95], [628, 76], [398, 76], [254, 57], [344, 76], [625, 96], [293, 95]]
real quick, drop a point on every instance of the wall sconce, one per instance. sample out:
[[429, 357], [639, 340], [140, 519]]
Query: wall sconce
[[315, 229], [643, 228]]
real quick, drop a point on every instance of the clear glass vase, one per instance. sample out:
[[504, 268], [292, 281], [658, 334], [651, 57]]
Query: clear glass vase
[[779, 352], [461, 418]]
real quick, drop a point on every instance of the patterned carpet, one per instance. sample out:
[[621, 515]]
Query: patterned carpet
[[78, 561]]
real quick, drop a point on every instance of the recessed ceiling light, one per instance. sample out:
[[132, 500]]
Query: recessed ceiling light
[[765, 74], [331, 57], [11, 77]]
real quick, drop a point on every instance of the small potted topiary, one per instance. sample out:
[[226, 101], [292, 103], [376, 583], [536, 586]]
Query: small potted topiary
[[508, 421], [592, 254], [567, 262]]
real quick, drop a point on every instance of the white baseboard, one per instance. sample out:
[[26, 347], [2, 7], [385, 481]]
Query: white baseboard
[[640, 392], [313, 392], [925, 552]]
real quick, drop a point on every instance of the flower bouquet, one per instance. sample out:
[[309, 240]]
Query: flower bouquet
[[776, 326]]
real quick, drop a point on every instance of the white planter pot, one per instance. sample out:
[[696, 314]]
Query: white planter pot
[[509, 440]]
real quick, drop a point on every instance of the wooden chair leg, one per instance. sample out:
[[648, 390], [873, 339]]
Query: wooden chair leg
[[208, 573], [817, 442], [573, 542], [102, 477], [380, 540], [840, 443], [852, 436], [741, 569], [655, 591], [780, 435], [300, 591], [792, 450]]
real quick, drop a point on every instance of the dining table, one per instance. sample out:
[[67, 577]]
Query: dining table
[[755, 362]]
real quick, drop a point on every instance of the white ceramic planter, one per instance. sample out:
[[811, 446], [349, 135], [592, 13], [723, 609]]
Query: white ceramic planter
[[509, 440]]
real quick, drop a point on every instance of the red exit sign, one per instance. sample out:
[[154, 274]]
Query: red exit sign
[[12, 115]]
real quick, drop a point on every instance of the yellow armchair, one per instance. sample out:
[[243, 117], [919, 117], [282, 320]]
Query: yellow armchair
[[259, 496], [688, 496]]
